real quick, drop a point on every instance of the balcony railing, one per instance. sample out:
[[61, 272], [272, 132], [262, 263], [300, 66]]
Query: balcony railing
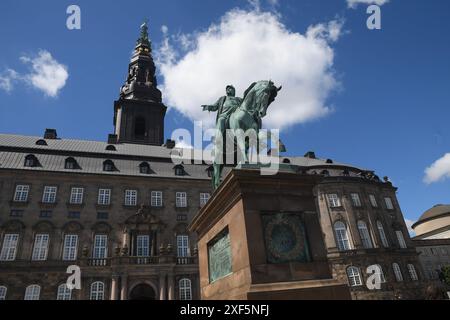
[[133, 260]]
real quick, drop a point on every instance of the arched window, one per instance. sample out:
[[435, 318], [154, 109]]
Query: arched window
[[71, 164], [144, 168], [108, 165], [340, 230], [32, 292], [3, 291], [64, 293], [383, 237], [185, 289], [140, 129], [41, 142], [397, 272], [110, 148], [31, 161], [379, 271], [354, 276], [412, 272], [97, 291], [365, 235]]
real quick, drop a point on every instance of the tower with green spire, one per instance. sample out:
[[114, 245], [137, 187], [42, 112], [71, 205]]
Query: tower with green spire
[[139, 112]]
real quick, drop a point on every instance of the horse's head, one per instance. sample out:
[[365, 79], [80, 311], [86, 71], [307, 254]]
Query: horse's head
[[266, 92]]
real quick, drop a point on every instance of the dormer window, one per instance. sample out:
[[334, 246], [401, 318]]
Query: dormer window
[[41, 142], [179, 170], [326, 173], [111, 148], [31, 161], [109, 166], [71, 164], [345, 173], [286, 161], [144, 168]]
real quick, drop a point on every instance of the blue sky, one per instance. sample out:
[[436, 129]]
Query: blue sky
[[388, 107]]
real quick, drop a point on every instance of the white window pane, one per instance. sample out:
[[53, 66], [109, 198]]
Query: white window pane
[[100, 247], [156, 199], [21, 194], [383, 237], [104, 196], [181, 199], [356, 200], [401, 239], [97, 291], [342, 238], [49, 195], [70, 247], [182, 245], [9, 248], [373, 201], [64, 293], [412, 272], [76, 196], [143, 246], [388, 202], [204, 197], [40, 249], [3, 291], [365, 235], [333, 200], [130, 197], [397, 272], [32, 292], [185, 289], [354, 276]]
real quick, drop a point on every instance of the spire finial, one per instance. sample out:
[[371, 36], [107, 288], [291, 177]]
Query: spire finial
[[143, 39]]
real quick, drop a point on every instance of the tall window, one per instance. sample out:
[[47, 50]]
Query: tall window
[[185, 289], [181, 199], [21, 194], [100, 246], [412, 272], [97, 291], [3, 291], [104, 197], [383, 237], [333, 200], [356, 201], [49, 195], [204, 197], [9, 248], [388, 202], [40, 249], [143, 246], [70, 247], [32, 292], [342, 238], [76, 195], [365, 235], [397, 272], [373, 201], [182, 245], [130, 197], [64, 293], [401, 239], [157, 199], [139, 128], [379, 271], [354, 276]]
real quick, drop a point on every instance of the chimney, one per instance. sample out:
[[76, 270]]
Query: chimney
[[112, 138], [310, 155], [50, 134]]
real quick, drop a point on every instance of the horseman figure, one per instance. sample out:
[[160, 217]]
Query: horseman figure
[[235, 114]]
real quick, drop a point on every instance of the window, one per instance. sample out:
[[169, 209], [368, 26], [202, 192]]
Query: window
[[109, 166], [49, 195], [383, 238], [181, 217], [412, 272], [140, 130], [204, 197], [16, 213], [354, 277], [179, 170], [41, 142], [333, 200], [97, 291], [3, 291], [74, 215], [397, 272], [9, 248], [130, 198], [70, 247], [379, 271], [76, 195], [110, 148], [21, 194], [185, 289], [401, 239], [32, 292], [356, 201], [104, 197], [100, 246], [181, 199], [373, 201], [143, 246], [388, 202], [71, 164], [144, 168], [343, 241], [64, 293], [45, 214], [156, 200], [182, 245], [102, 215], [40, 249], [365, 235], [210, 171], [31, 161]]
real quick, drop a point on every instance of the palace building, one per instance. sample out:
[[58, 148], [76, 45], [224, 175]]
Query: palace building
[[120, 210]]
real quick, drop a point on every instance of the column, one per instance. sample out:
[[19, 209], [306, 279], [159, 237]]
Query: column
[[162, 287], [115, 287], [171, 289], [124, 290]]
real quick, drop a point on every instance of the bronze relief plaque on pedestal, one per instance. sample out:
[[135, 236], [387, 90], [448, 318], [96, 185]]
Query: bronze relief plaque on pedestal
[[285, 238], [219, 256]]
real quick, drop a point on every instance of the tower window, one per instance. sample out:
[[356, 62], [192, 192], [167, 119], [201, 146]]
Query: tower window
[[140, 128]]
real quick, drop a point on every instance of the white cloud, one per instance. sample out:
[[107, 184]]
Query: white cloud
[[247, 46], [45, 74], [354, 3], [409, 224], [439, 170]]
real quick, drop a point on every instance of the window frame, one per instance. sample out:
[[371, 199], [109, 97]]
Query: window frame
[[204, 198], [181, 199], [3, 293], [356, 201], [97, 291], [397, 272], [341, 241], [334, 202], [40, 247], [63, 292], [32, 292], [8, 251], [131, 198], [373, 201], [185, 289], [413, 275], [183, 249], [103, 195], [389, 203], [21, 195], [364, 234], [382, 234], [70, 247], [98, 248], [401, 239], [156, 199], [355, 278], [49, 194]]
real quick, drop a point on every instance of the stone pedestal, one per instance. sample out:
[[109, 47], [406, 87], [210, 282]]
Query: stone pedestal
[[260, 238]]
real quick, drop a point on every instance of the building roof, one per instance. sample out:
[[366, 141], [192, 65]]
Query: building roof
[[433, 213]]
